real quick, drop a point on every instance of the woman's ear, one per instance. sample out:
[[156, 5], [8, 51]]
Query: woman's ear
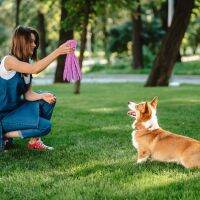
[[154, 102]]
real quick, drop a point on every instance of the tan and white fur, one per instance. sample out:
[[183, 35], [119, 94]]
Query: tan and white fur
[[154, 143]]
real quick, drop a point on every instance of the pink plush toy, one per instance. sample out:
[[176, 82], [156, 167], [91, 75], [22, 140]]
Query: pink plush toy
[[72, 72]]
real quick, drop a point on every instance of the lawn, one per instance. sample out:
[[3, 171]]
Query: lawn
[[93, 156], [123, 67]]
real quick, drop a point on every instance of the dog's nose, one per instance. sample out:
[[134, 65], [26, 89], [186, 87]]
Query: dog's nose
[[129, 102]]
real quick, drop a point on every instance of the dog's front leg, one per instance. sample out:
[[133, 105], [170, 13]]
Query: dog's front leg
[[143, 155]]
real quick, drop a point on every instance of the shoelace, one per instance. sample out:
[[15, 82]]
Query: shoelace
[[43, 145]]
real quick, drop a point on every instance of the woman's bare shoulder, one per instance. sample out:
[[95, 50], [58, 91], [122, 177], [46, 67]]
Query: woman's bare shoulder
[[11, 58], [10, 61]]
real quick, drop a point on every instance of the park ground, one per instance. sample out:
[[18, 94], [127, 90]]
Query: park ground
[[99, 71], [93, 156]]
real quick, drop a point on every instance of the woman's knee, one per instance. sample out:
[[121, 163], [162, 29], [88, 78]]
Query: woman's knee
[[42, 103], [46, 109]]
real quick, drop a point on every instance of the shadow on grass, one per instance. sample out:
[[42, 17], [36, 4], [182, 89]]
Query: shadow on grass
[[63, 173], [129, 168]]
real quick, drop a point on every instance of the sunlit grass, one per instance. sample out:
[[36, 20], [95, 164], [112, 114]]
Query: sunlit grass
[[93, 156]]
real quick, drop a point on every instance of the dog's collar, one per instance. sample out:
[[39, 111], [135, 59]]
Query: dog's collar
[[149, 126]]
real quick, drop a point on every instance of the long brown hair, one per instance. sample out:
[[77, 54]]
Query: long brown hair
[[21, 43]]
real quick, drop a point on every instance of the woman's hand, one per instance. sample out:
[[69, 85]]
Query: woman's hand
[[49, 98], [64, 49]]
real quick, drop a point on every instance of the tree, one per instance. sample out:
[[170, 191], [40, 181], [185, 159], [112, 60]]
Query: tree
[[105, 36], [137, 37], [42, 31], [74, 13], [86, 12], [88, 8], [65, 34], [17, 12], [192, 38], [166, 57]]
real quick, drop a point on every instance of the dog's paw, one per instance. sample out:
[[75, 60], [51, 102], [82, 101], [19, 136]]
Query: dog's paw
[[141, 160]]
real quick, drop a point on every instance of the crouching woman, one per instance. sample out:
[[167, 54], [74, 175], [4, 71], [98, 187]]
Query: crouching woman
[[23, 112]]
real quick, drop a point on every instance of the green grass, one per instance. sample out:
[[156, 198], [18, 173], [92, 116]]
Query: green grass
[[93, 156], [184, 68], [187, 68]]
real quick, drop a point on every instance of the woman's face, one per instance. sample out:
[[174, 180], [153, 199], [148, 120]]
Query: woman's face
[[33, 45]]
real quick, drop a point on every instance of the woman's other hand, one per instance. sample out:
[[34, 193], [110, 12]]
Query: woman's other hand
[[64, 49], [49, 98]]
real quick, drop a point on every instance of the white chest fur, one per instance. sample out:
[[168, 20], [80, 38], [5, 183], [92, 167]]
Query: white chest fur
[[134, 142]]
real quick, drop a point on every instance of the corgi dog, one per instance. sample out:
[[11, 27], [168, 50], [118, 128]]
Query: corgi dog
[[154, 143]]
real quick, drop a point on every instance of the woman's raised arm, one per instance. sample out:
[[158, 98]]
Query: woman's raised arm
[[12, 63]]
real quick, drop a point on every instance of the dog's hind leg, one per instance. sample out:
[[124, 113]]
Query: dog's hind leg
[[191, 161]]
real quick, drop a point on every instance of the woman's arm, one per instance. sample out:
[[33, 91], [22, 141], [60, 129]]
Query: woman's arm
[[12, 63], [34, 96]]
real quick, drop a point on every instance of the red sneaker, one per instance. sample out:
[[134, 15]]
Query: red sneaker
[[39, 145]]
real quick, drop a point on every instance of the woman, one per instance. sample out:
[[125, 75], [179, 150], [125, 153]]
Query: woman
[[24, 113]]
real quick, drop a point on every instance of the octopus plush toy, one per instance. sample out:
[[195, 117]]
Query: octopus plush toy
[[72, 72]]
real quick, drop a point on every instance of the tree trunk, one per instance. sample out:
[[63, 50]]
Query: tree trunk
[[17, 12], [92, 39], [42, 31], [163, 17], [137, 38], [178, 57], [83, 42], [166, 58], [105, 38], [64, 35]]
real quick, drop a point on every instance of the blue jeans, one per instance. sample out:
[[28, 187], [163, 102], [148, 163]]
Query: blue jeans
[[44, 125]]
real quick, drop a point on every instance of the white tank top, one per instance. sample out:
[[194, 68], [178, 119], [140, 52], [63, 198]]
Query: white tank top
[[5, 74]]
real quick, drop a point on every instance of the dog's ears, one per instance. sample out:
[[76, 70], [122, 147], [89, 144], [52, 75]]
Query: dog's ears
[[143, 107], [146, 107], [154, 102]]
